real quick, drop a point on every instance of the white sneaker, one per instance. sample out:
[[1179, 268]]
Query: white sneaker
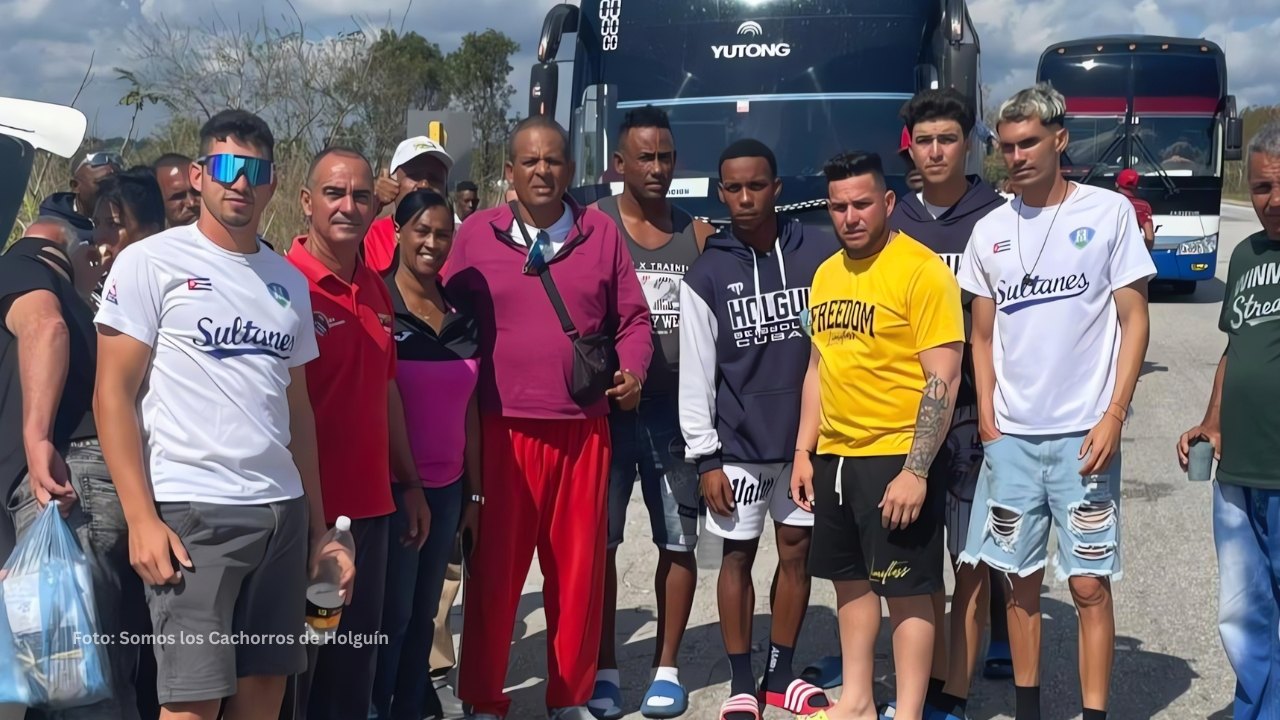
[[570, 713]]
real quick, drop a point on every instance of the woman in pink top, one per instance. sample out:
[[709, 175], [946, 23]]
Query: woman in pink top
[[437, 366]]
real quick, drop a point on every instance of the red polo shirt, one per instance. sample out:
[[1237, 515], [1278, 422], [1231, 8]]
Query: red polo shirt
[[348, 386], [381, 245]]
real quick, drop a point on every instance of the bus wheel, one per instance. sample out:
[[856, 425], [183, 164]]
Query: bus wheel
[[1184, 287]]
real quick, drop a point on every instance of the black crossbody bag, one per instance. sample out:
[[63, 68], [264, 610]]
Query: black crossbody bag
[[595, 360]]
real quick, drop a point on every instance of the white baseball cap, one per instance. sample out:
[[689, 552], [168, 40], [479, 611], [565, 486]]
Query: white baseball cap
[[421, 145]]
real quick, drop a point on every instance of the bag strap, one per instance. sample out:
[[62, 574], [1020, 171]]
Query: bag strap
[[566, 322]]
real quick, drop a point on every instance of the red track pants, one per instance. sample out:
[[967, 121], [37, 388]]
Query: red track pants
[[545, 483]]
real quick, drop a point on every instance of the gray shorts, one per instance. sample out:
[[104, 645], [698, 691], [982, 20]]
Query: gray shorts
[[959, 461], [240, 610], [647, 444]]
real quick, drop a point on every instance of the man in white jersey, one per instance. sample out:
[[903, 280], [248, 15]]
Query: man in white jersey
[[1059, 278], [209, 435]]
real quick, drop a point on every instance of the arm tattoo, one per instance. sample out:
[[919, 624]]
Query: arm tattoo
[[932, 423]]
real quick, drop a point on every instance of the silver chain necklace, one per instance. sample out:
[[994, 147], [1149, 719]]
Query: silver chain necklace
[[1027, 279]]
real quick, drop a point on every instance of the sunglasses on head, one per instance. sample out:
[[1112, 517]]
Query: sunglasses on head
[[101, 159], [226, 168]]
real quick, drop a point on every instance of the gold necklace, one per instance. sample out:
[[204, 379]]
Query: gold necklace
[[423, 316]]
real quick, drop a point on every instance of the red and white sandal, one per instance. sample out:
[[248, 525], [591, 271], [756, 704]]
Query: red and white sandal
[[741, 703], [801, 698]]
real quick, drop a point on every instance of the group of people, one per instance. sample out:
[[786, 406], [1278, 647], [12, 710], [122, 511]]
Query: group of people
[[471, 386]]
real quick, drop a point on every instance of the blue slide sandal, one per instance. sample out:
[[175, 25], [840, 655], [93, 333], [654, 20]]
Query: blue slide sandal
[[606, 701], [655, 703], [827, 673]]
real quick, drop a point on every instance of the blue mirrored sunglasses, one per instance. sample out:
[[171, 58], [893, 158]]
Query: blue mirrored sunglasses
[[225, 168]]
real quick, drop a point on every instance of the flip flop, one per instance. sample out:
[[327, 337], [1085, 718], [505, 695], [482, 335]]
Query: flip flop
[[999, 663], [820, 715], [741, 703], [798, 699], [826, 673], [664, 690], [605, 692]]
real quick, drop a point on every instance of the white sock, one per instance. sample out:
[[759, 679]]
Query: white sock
[[670, 674]]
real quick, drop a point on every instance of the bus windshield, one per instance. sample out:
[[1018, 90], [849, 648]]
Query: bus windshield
[[1110, 75], [804, 131], [1092, 140], [1181, 145]]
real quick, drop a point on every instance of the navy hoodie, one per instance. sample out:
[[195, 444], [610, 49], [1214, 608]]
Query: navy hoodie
[[63, 206], [743, 352], [949, 236]]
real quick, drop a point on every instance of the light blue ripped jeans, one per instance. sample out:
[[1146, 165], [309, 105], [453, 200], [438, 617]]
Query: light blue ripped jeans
[[1246, 531], [1030, 484]]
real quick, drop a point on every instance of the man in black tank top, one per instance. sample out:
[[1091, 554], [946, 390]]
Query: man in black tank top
[[664, 241]]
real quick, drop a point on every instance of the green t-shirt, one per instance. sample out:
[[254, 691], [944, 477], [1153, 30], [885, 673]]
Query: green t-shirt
[[1251, 385]]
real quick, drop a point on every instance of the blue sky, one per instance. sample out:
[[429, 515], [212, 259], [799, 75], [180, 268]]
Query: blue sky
[[45, 45]]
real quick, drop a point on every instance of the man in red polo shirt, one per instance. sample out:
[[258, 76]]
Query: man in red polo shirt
[[1127, 184], [359, 419], [418, 163]]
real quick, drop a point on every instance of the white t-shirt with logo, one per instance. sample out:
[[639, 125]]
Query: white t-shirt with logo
[[1057, 341], [224, 329]]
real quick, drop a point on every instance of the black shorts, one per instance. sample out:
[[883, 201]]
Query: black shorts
[[849, 541]]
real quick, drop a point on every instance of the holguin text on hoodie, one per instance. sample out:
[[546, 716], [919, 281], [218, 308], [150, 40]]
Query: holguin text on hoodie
[[743, 352]]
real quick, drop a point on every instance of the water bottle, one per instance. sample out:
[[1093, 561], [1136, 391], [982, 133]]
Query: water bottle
[[324, 601]]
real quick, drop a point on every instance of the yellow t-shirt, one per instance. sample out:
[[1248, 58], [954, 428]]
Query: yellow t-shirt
[[870, 319]]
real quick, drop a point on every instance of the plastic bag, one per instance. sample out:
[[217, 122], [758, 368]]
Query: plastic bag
[[13, 684], [47, 598]]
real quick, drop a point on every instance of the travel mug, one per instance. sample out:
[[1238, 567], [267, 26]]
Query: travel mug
[[1200, 461]]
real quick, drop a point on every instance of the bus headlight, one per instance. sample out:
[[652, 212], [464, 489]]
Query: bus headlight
[[1199, 246]]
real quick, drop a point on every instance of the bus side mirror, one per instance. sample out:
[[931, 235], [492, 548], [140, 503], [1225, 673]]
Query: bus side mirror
[[561, 19], [544, 89], [954, 20], [1233, 148], [926, 77]]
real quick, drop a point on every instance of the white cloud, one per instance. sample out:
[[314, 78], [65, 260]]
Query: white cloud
[[45, 44], [1015, 32], [22, 10]]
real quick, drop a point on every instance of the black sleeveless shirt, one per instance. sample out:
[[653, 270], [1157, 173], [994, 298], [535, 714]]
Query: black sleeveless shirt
[[660, 272]]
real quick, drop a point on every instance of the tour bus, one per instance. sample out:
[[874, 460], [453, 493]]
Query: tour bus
[[809, 78], [1160, 106]]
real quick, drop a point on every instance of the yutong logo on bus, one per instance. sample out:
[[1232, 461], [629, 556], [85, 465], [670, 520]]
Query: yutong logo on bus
[[750, 28]]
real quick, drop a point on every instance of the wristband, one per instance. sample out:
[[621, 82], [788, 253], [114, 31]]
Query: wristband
[[477, 499], [806, 452], [922, 475]]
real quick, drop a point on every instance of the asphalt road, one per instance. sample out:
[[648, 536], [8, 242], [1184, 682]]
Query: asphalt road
[[1169, 663]]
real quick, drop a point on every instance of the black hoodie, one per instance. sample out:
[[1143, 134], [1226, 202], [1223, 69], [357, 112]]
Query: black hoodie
[[949, 236], [743, 352], [63, 206]]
